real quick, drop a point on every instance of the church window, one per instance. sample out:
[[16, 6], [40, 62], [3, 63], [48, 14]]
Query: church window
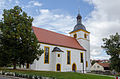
[[46, 55], [81, 57], [86, 63], [68, 57], [98, 66], [85, 35], [58, 55], [75, 35]]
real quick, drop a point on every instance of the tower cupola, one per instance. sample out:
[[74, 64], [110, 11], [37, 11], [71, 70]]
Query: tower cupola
[[79, 30], [79, 24]]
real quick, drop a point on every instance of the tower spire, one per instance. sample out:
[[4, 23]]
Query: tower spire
[[78, 10], [79, 17], [79, 24]]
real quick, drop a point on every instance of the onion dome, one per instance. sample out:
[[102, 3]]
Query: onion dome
[[79, 24]]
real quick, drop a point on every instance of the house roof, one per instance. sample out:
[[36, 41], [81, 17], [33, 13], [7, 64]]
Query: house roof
[[53, 38], [104, 64]]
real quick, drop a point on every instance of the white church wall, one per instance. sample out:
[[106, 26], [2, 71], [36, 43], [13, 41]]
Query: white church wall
[[86, 45], [53, 59], [75, 58]]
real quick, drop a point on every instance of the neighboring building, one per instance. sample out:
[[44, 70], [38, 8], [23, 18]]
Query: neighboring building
[[99, 61], [102, 61], [63, 53], [100, 67]]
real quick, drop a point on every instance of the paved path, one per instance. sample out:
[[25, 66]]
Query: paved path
[[3, 78], [9, 77]]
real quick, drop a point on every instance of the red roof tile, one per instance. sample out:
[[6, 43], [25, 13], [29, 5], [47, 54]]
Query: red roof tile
[[104, 64], [49, 37]]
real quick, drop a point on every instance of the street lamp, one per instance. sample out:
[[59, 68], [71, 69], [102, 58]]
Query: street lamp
[[118, 45]]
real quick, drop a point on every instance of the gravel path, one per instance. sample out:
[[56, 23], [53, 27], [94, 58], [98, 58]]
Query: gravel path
[[101, 75]]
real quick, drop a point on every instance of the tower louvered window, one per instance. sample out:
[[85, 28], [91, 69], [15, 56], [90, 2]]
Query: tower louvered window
[[75, 35]]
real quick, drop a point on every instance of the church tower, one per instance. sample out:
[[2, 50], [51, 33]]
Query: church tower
[[83, 37]]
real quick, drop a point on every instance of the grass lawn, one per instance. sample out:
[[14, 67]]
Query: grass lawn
[[61, 75]]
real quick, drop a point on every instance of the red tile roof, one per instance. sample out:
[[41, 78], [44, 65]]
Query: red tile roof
[[104, 64], [53, 38]]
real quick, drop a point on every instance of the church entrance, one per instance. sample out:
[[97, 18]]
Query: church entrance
[[58, 67], [74, 68]]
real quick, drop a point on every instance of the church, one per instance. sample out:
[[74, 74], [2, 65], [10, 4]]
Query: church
[[64, 53]]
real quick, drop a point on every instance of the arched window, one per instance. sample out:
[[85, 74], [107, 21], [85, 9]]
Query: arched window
[[68, 57], [46, 55], [74, 67], [75, 35], [58, 67]]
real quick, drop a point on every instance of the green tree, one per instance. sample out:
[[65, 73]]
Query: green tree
[[93, 62], [18, 39], [112, 48]]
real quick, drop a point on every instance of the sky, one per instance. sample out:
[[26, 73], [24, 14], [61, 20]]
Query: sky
[[100, 17]]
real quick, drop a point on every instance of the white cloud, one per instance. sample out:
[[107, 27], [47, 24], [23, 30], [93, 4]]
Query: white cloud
[[95, 52], [100, 57], [44, 11], [50, 20], [34, 3], [104, 21], [17, 2], [37, 4], [2, 5], [2, 2]]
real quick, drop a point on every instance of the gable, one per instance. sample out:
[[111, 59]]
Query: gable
[[96, 66], [53, 38]]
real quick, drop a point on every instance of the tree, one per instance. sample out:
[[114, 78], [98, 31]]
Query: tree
[[112, 48], [93, 62], [18, 39]]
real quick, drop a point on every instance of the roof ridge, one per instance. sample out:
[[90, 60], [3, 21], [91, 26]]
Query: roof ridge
[[103, 64], [53, 32]]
